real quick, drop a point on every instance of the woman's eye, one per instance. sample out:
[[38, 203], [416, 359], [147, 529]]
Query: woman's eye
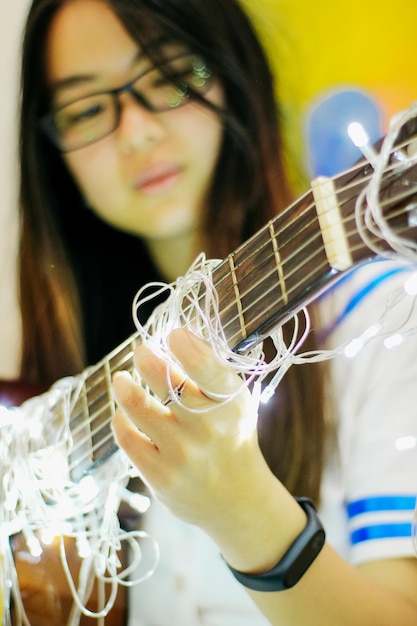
[[170, 77], [76, 115]]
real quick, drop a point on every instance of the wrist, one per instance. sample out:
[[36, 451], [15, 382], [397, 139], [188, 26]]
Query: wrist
[[263, 520], [295, 561]]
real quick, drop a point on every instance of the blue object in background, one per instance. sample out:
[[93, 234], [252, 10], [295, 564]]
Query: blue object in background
[[329, 147]]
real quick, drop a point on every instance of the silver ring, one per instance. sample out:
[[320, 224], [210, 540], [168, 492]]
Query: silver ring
[[175, 394]]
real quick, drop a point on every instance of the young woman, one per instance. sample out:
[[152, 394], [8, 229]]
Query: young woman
[[149, 133]]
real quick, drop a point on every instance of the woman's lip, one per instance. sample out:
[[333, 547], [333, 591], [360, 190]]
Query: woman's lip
[[157, 178]]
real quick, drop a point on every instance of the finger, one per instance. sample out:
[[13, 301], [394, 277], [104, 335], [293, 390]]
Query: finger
[[213, 375], [144, 411], [165, 379], [133, 441], [142, 452]]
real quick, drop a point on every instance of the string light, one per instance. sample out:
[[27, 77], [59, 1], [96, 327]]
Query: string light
[[36, 491], [360, 138], [406, 443], [372, 222], [410, 285], [38, 499]]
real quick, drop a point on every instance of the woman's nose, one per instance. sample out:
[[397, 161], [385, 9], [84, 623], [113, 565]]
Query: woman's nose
[[138, 128]]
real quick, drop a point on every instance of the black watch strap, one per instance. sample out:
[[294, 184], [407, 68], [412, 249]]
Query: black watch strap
[[296, 560]]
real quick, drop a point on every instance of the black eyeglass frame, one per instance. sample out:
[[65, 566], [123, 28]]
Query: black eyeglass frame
[[48, 125]]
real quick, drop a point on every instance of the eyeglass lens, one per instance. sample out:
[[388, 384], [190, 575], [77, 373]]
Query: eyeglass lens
[[162, 88]]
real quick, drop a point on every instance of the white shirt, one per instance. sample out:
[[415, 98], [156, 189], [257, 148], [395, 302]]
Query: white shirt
[[370, 482], [372, 465]]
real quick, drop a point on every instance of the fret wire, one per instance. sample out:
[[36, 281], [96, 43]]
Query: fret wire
[[355, 169], [270, 274], [237, 296], [269, 226], [88, 460], [354, 185], [351, 186], [92, 416], [273, 306], [279, 217], [81, 435], [345, 221], [93, 373], [88, 440], [289, 258], [297, 285], [110, 406], [278, 264], [109, 370]]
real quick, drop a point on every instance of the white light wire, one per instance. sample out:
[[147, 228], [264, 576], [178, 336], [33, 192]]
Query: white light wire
[[28, 444], [369, 203], [36, 493]]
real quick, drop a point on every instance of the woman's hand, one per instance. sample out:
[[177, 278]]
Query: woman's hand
[[192, 460], [205, 465], [208, 469]]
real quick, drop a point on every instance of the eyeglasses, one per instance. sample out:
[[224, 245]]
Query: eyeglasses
[[161, 88]]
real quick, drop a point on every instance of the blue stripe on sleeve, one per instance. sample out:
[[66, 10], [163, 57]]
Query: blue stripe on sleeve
[[381, 531], [381, 503]]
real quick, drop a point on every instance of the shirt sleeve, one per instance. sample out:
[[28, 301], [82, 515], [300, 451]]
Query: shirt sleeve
[[375, 407]]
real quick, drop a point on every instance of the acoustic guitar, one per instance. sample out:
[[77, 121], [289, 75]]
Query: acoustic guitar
[[286, 265], [44, 588]]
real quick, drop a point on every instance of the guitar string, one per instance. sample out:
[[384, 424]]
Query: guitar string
[[95, 431], [106, 423], [97, 375], [354, 170], [346, 221]]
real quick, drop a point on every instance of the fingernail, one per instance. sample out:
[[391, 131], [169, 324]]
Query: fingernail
[[123, 374]]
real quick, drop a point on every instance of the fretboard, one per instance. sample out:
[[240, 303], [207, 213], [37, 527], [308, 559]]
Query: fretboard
[[263, 283]]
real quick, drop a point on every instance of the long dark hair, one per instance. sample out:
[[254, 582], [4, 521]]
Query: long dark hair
[[63, 285]]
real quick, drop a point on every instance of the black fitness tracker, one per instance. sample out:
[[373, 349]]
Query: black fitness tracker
[[295, 562]]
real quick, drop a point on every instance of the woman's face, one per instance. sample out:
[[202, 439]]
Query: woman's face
[[150, 176]]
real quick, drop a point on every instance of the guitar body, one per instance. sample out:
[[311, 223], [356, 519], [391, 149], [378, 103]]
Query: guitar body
[[45, 592], [44, 588]]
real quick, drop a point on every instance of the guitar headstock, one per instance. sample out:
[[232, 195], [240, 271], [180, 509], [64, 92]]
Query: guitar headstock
[[377, 197]]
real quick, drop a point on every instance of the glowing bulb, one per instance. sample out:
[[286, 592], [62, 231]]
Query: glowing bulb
[[6, 416], [35, 547], [353, 348], [47, 536], [360, 139], [410, 285], [393, 341], [36, 430], [406, 443], [137, 501], [87, 489], [267, 394], [372, 331], [83, 547], [358, 134], [140, 503], [33, 544]]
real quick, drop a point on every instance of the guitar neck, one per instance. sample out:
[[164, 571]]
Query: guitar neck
[[86, 402], [301, 252], [263, 283]]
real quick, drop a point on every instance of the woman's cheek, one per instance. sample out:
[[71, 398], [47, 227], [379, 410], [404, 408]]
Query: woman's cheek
[[95, 173]]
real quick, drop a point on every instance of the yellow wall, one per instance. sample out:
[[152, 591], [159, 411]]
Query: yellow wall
[[322, 45]]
